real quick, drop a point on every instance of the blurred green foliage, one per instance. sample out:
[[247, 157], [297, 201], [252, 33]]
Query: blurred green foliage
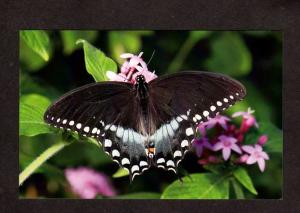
[[54, 62]]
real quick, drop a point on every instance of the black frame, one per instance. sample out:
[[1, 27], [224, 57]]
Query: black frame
[[154, 14]]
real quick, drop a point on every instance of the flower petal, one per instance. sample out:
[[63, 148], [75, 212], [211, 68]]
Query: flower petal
[[208, 145], [249, 149], [237, 114], [236, 148], [218, 146], [264, 155], [258, 148], [126, 55], [226, 153], [261, 164], [199, 150], [251, 160]]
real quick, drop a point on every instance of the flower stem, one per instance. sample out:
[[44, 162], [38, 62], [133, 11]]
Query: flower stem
[[40, 160], [177, 62]]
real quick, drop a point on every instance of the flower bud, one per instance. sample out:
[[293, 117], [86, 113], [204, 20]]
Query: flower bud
[[262, 140]]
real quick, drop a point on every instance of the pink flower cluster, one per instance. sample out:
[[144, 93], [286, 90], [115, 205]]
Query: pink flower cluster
[[132, 67], [88, 183], [229, 139]]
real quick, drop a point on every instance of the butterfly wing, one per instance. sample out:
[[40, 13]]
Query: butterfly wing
[[181, 101], [108, 112]]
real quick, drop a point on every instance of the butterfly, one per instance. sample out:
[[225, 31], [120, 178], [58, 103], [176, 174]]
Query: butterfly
[[146, 124]]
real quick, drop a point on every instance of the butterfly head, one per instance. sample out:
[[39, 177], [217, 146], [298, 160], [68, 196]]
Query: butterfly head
[[140, 79]]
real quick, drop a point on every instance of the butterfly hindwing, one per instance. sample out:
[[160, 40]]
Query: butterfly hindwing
[[172, 140]]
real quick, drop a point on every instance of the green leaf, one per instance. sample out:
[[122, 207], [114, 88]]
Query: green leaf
[[49, 170], [215, 168], [199, 186], [29, 60], [242, 176], [96, 62], [82, 152], [122, 42], [29, 84], [32, 109], [69, 38], [38, 41], [230, 55], [237, 189], [121, 173], [199, 35], [139, 195], [34, 165], [256, 33], [275, 137], [187, 46]]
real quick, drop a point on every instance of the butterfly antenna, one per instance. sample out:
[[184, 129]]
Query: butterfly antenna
[[151, 57]]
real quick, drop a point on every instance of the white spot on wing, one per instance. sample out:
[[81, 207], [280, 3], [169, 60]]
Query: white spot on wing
[[143, 163], [160, 160], [86, 129], [225, 100], [78, 126], [189, 131], [205, 113], [184, 143], [94, 130], [177, 153], [115, 153], [219, 103], [184, 117], [179, 119], [113, 128], [71, 123], [134, 168], [120, 132], [212, 108], [198, 117], [107, 143], [64, 121], [125, 161], [170, 163]]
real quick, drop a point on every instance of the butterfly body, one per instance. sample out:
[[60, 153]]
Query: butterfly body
[[146, 124]]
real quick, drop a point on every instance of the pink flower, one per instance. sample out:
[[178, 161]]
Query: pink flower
[[131, 68], [199, 144], [219, 119], [87, 183], [256, 155], [210, 160], [243, 158], [201, 128], [262, 140], [227, 144], [248, 119]]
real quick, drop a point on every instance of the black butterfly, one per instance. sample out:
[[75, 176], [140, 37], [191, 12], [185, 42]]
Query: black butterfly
[[146, 124]]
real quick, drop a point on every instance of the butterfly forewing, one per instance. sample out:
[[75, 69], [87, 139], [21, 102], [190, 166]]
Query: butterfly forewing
[[107, 112]]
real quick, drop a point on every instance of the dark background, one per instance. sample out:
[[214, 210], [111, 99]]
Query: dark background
[[273, 15]]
